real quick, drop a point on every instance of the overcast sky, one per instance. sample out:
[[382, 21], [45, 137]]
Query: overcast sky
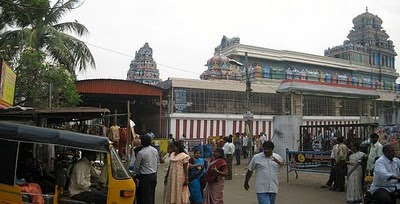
[[183, 33]]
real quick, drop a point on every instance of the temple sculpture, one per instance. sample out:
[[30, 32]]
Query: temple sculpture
[[143, 68], [366, 58], [218, 67], [367, 44]]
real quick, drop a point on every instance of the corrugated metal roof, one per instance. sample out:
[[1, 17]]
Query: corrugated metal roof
[[117, 86]]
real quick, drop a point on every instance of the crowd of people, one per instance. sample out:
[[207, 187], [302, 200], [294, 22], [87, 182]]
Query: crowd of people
[[189, 178], [192, 179], [378, 162]]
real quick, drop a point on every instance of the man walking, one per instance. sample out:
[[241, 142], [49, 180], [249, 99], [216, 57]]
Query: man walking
[[238, 148], [268, 165], [146, 165], [229, 150], [245, 141], [340, 166], [332, 174]]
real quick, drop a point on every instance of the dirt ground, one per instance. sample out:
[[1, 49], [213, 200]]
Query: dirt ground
[[304, 190]]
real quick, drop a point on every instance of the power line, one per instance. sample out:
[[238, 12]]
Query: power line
[[177, 68], [103, 48], [130, 56]]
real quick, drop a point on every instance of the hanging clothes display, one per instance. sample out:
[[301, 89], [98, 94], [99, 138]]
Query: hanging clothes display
[[114, 133], [123, 139]]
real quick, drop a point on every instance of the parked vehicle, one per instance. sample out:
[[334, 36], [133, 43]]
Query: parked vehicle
[[54, 154]]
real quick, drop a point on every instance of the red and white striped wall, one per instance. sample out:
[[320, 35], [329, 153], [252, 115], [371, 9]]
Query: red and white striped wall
[[201, 126]]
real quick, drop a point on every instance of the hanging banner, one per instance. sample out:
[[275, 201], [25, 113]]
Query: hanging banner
[[180, 102], [309, 161], [7, 85]]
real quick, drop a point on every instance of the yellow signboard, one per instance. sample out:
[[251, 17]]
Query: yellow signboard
[[7, 85]]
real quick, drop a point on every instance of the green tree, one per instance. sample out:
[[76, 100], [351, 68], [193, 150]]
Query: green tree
[[36, 24], [36, 79]]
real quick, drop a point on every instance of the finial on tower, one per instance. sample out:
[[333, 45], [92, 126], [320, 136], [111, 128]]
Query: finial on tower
[[366, 9]]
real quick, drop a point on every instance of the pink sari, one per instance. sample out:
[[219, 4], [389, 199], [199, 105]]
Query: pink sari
[[214, 191]]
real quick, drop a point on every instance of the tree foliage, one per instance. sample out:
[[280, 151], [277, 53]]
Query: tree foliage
[[36, 79], [37, 24]]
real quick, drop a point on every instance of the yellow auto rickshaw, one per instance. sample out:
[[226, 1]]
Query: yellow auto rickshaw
[[56, 151]]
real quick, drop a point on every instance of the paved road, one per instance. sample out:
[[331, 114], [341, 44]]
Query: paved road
[[304, 190]]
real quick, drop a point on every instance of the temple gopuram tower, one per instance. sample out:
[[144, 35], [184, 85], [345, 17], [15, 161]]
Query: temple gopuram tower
[[143, 68], [368, 45]]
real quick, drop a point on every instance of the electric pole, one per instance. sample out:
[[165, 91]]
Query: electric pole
[[248, 114]]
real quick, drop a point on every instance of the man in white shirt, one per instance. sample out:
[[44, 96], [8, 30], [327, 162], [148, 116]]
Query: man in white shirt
[[151, 134], [244, 145], [268, 165], [229, 150], [182, 138], [374, 152], [386, 175], [79, 185], [332, 173], [146, 166], [340, 166], [264, 137]]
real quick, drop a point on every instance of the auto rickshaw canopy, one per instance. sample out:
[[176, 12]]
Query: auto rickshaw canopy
[[32, 134]]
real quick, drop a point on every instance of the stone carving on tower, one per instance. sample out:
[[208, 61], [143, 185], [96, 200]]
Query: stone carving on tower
[[143, 68], [226, 42], [367, 44], [218, 67]]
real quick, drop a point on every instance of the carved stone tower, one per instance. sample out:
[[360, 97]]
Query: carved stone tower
[[143, 68], [368, 44]]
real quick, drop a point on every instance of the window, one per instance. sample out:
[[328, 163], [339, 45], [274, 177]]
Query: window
[[317, 106], [118, 169], [229, 102], [350, 107]]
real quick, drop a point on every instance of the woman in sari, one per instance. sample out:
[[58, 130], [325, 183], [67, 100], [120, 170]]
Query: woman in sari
[[355, 176], [216, 171], [196, 173], [166, 161], [176, 179]]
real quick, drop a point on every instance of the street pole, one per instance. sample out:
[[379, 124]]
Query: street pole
[[247, 116], [248, 109], [128, 127]]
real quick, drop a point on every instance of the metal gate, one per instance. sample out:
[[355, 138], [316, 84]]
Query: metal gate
[[319, 137]]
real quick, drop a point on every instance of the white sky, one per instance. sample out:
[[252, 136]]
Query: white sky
[[183, 33]]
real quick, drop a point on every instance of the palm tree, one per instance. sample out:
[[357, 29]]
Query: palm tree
[[37, 25]]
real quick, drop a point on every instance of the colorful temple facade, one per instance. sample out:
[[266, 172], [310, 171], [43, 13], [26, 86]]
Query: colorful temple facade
[[366, 58], [350, 84], [143, 68]]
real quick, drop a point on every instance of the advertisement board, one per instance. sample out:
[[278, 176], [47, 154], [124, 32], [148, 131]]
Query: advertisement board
[[309, 161], [7, 85]]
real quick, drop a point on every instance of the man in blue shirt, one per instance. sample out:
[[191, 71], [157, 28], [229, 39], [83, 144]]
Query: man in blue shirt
[[386, 176]]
